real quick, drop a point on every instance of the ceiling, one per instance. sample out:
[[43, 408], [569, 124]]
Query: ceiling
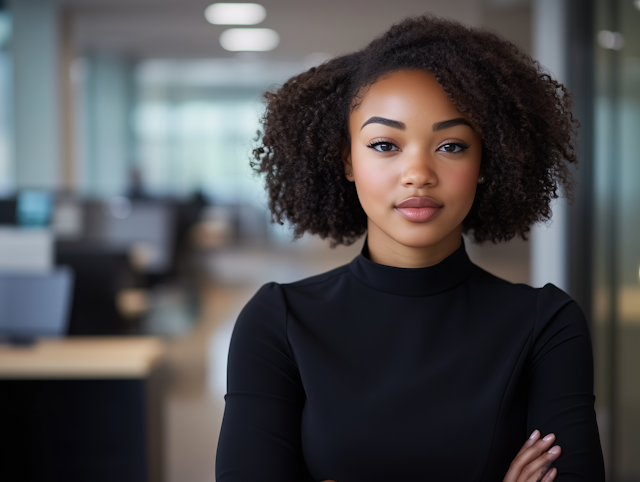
[[178, 29]]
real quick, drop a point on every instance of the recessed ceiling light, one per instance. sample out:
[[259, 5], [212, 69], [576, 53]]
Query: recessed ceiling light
[[235, 13], [249, 39]]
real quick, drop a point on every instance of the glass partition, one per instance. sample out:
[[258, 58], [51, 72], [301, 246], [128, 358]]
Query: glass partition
[[617, 235]]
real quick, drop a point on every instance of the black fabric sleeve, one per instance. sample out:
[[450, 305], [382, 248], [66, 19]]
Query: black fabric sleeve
[[561, 396], [260, 436]]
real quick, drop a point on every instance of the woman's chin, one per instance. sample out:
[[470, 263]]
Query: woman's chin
[[424, 240], [439, 232]]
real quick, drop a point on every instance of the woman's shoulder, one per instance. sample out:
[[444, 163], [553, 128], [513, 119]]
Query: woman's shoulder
[[547, 293], [271, 298], [263, 316], [558, 313], [549, 303], [319, 279]]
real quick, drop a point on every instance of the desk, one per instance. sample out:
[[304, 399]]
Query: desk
[[82, 409]]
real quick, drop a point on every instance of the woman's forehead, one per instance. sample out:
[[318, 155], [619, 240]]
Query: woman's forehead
[[405, 96]]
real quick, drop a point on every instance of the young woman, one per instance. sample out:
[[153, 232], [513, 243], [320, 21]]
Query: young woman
[[411, 363]]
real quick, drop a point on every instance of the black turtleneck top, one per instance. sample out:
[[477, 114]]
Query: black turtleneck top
[[372, 373]]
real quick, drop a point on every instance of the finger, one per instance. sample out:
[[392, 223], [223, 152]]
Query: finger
[[536, 470], [527, 456], [534, 451], [551, 475], [533, 438]]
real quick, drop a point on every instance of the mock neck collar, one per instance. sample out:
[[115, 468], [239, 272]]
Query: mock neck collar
[[443, 276]]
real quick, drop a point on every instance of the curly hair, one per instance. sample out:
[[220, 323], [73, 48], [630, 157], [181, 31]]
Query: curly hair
[[522, 115]]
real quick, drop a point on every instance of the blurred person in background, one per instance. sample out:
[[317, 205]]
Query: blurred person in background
[[411, 363]]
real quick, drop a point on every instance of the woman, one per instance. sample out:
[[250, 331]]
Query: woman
[[411, 363]]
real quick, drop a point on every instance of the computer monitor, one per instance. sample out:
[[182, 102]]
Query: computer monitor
[[34, 208], [145, 226], [35, 305], [25, 250]]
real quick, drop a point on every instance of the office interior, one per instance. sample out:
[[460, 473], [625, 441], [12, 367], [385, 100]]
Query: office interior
[[132, 230]]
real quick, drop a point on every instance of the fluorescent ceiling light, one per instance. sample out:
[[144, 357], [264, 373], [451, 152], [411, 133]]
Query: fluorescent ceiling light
[[235, 13], [249, 39]]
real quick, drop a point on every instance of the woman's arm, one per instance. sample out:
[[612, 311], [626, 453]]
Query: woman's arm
[[560, 398], [533, 462], [260, 436]]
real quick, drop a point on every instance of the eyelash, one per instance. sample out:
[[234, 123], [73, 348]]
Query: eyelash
[[461, 145], [375, 143]]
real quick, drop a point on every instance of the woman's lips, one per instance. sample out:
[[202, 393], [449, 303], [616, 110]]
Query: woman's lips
[[418, 209]]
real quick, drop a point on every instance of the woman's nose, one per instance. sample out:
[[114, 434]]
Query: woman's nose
[[418, 172]]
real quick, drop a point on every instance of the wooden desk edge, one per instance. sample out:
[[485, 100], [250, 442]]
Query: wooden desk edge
[[83, 358]]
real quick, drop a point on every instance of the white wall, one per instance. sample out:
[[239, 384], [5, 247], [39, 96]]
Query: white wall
[[549, 242]]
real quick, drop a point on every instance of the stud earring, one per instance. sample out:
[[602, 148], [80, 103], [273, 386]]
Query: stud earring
[[480, 179]]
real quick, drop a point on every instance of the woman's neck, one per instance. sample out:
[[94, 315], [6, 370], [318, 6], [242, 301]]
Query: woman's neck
[[385, 250]]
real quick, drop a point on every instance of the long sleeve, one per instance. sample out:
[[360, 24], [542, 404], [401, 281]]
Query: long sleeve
[[260, 436], [561, 387]]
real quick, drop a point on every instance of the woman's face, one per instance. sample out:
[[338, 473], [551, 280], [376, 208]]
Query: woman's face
[[415, 161]]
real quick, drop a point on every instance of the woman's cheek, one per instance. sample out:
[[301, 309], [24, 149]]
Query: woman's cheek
[[463, 185], [374, 184]]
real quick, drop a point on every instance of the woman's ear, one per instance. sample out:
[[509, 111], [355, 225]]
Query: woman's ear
[[346, 160]]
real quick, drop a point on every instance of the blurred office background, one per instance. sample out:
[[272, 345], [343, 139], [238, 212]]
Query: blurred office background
[[126, 128]]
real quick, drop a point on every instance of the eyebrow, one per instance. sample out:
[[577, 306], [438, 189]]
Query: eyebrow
[[385, 122], [459, 121], [438, 126]]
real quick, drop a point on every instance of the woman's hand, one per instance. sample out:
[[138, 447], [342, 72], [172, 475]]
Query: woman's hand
[[533, 462]]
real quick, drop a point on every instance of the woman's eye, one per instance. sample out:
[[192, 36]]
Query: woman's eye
[[383, 146], [453, 147]]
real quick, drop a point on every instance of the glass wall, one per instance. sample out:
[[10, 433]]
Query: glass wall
[[195, 122], [617, 241], [172, 127], [7, 177], [177, 129], [187, 142]]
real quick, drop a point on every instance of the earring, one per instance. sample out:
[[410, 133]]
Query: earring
[[480, 179]]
